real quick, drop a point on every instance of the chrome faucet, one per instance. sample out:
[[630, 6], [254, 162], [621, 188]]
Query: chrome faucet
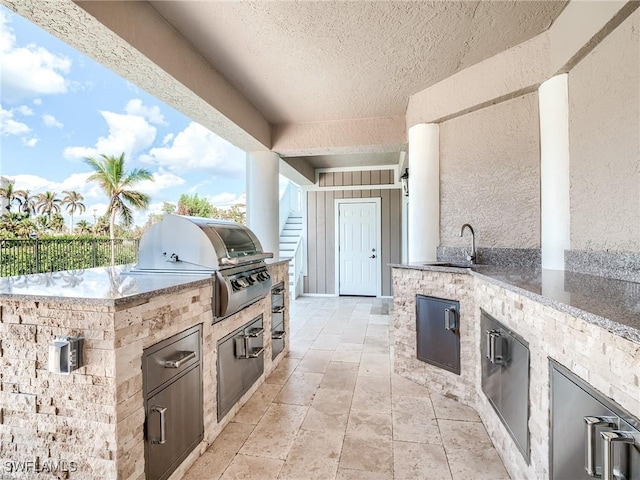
[[471, 257]]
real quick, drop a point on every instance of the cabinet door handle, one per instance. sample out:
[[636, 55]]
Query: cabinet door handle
[[591, 422], [497, 353], [256, 352], [163, 425], [489, 353], [256, 332], [278, 335], [177, 363], [609, 440], [279, 309], [449, 314]]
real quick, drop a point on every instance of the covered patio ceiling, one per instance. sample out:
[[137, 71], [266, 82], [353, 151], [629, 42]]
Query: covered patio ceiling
[[306, 79]]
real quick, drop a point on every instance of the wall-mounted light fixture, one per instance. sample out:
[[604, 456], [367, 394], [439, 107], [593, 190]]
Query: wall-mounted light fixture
[[404, 178]]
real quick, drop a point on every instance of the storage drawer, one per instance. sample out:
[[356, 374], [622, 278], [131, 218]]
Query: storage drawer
[[240, 363], [171, 357], [277, 339]]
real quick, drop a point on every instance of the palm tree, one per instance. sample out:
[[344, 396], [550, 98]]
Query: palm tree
[[10, 194], [27, 201], [73, 201], [116, 183], [83, 227], [48, 203]]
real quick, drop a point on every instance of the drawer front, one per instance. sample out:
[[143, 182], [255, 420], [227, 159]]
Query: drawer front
[[171, 357]]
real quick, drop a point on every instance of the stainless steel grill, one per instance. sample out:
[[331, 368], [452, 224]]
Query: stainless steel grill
[[227, 250]]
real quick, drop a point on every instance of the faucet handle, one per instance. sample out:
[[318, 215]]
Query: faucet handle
[[470, 258]]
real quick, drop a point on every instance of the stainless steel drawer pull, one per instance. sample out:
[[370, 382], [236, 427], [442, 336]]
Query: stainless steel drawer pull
[[256, 352], [488, 338], [279, 309], [450, 317], [609, 440], [591, 422], [495, 347], [278, 335], [255, 332], [278, 291], [177, 363], [163, 425]]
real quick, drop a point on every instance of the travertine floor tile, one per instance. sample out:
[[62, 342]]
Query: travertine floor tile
[[375, 365], [365, 453], [369, 424], [252, 411], [372, 394], [414, 461], [348, 352], [282, 372], [476, 465], [329, 411], [340, 375], [276, 431], [314, 456], [245, 467], [300, 389], [315, 361], [326, 342], [345, 474], [470, 436], [334, 410], [406, 387], [212, 464], [450, 409]]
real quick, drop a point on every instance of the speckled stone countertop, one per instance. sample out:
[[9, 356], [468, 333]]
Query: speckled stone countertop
[[106, 286], [609, 303], [276, 261]]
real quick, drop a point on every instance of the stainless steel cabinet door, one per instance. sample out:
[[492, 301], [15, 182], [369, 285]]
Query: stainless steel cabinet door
[[230, 385], [172, 428], [438, 332], [514, 392]]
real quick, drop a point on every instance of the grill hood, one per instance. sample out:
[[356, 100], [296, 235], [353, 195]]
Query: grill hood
[[193, 244]]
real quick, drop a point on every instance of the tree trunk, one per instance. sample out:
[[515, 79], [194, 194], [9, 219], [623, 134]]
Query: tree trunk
[[112, 235]]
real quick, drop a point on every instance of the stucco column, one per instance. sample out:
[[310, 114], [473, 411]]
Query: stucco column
[[424, 192], [263, 207], [553, 97]]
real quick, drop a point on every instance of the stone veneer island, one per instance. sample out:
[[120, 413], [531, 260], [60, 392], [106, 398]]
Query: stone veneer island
[[589, 324], [91, 422]]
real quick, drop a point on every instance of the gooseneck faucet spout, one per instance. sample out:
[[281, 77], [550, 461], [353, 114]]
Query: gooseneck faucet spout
[[471, 257]]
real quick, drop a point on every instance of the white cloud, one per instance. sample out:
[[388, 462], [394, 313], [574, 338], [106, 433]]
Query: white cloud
[[76, 181], [30, 142], [37, 101], [24, 110], [226, 199], [9, 126], [161, 181], [196, 148], [30, 70], [167, 138], [127, 133], [51, 121], [152, 114]]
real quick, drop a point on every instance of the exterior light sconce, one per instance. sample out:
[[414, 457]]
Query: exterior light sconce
[[404, 178]]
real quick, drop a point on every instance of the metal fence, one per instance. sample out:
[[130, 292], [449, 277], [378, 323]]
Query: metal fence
[[22, 257]]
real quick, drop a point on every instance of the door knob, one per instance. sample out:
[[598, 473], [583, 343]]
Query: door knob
[[372, 256]]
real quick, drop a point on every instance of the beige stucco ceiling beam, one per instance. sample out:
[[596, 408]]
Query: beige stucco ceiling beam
[[134, 41], [359, 135], [523, 68]]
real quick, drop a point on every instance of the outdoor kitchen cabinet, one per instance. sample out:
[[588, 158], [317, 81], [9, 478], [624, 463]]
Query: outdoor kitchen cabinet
[[505, 378], [240, 363], [438, 332], [172, 377], [277, 319]]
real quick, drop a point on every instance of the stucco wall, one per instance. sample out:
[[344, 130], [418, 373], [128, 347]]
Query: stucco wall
[[604, 129], [490, 175]]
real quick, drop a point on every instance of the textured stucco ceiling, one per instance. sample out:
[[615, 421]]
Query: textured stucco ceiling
[[352, 160], [317, 61]]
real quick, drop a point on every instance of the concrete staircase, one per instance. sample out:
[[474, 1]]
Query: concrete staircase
[[289, 237]]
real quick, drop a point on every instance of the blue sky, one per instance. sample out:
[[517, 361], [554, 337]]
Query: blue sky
[[58, 106]]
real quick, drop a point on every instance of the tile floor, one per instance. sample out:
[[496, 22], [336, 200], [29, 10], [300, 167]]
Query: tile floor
[[333, 409]]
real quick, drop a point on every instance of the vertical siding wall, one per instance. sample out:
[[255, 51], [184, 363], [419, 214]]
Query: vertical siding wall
[[321, 226]]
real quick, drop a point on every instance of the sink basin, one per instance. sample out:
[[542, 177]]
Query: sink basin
[[449, 264]]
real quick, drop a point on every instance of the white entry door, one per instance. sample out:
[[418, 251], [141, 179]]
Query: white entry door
[[359, 263]]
